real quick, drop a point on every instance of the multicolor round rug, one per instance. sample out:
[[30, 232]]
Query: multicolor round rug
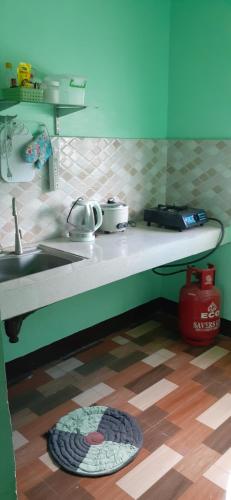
[[95, 441]]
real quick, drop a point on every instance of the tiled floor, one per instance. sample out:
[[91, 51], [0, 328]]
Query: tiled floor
[[180, 395]]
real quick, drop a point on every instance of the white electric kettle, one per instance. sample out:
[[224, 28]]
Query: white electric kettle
[[85, 217]]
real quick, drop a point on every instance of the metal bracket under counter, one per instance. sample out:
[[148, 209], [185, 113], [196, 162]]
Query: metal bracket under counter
[[13, 325]]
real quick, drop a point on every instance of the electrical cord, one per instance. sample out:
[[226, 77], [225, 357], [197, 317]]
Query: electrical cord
[[194, 261]]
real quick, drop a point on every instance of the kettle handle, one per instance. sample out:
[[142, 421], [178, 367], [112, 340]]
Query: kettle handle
[[95, 204]]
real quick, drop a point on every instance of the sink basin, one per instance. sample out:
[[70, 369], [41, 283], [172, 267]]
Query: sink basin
[[33, 261]]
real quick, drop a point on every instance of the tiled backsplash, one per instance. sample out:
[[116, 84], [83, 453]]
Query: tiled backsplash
[[141, 172], [130, 170], [199, 174]]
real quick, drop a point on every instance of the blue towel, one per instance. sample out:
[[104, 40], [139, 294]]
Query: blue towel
[[39, 150]]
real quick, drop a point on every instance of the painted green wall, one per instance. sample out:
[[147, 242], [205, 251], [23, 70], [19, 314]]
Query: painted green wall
[[121, 46], [200, 69], [77, 313], [7, 466]]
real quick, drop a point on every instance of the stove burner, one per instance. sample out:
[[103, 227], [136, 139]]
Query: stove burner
[[172, 208]]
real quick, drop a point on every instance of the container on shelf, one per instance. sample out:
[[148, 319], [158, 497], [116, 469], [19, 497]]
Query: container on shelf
[[23, 94], [51, 91], [71, 88]]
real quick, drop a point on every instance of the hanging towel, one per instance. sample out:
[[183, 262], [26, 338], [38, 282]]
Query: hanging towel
[[39, 150]]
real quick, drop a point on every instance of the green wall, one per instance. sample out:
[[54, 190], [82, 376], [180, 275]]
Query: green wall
[[200, 69], [7, 466], [77, 313], [121, 46]]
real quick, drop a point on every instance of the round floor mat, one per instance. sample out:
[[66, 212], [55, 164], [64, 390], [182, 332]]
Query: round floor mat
[[94, 441]]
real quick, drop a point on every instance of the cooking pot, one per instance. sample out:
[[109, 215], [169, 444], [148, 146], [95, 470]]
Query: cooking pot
[[115, 216]]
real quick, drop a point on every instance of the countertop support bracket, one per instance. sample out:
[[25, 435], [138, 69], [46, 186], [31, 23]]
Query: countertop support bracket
[[13, 326]]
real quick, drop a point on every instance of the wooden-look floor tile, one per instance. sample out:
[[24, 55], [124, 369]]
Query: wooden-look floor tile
[[143, 328], [22, 417], [180, 397], [203, 490], [62, 482], [96, 351], [189, 438], [150, 417], [131, 373], [191, 408], [209, 357], [125, 350], [143, 382], [31, 475], [185, 372], [179, 360], [117, 398], [41, 425], [157, 435], [169, 487], [37, 378], [31, 451], [220, 439], [152, 394], [219, 472], [102, 375], [147, 473], [197, 462], [217, 413]]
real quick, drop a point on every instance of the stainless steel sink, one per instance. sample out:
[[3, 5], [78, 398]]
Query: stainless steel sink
[[33, 261]]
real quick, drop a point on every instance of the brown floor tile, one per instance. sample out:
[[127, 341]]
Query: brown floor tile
[[42, 424], [169, 487], [42, 492], [218, 390], [55, 385], [191, 409], [117, 398], [31, 451], [189, 438], [129, 374], [196, 463], [203, 490], [62, 482], [180, 397], [157, 435], [102, 375], [96, 351], [150, 378], [22, 417], [181, 359], [151, 417], [37, 378], [220, 439], [211, 374], [125, 350], [186, 371], [31, 475]]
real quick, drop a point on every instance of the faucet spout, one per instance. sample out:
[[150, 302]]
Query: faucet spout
[[18, 235]]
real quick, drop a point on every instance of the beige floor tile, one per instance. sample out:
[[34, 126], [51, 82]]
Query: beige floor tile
[[19, 440], [142, 329], [120, 340], [209, 357], [152, 394], [158, 357], [149, 471], [64, 367], [196, 463], [220, 472], [92, 395], [216, 414], [46, 459]]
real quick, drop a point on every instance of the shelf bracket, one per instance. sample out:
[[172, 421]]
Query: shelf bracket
[[63, 110]]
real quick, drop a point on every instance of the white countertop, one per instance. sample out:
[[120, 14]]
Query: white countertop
[[109, 258]]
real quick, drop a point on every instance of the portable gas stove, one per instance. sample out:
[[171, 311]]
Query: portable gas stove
[[175, 217]]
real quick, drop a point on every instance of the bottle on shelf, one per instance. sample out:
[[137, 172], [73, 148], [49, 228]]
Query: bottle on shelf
[[9, 76]]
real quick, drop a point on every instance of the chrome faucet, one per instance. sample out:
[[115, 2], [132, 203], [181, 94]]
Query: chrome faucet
[[18, 235]]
